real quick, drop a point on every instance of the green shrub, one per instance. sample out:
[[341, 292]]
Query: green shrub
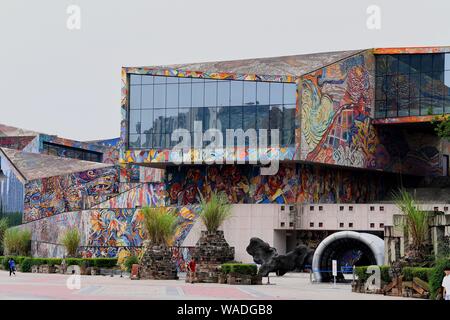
[[53, 261], [17, 241], [71, 240], [241, 268], [363, 276], [409, 273], [26, 264], [3, 228], [436, 276], [105, 262], [130, 261]]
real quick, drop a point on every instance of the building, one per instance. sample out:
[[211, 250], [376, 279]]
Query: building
[[353, 126]]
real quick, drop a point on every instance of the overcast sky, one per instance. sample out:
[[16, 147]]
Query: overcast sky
[[67, 82]]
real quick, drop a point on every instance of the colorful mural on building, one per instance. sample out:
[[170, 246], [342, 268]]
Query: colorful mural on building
[[50, 196], [141, 195], [336, 106], [293, 183], [103, 231]]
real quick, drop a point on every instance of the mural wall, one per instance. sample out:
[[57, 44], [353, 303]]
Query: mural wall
[[147, 194], [50, 196], [103, 231], [294, 183], [337, 104]]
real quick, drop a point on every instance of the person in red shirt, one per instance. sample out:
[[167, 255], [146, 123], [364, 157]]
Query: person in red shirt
[[191, 269]]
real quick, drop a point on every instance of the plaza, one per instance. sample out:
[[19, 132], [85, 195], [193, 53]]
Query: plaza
[[292, 286]]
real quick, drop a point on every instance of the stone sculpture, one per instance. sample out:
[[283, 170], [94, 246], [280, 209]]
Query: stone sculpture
[[271, 261]]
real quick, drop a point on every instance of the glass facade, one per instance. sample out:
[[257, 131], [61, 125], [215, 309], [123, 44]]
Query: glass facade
[[69, 152], [412, 85], [158, 105]]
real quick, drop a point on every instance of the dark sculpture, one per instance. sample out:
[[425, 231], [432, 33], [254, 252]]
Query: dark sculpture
[[271, 261]]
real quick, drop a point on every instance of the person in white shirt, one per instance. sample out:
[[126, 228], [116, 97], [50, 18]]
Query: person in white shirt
[[446, 284]]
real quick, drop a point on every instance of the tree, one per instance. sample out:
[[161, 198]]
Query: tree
[[71, 240], [17, 241], [215, 211], [416, 222]]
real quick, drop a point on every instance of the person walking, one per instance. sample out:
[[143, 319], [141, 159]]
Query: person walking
[[12, 266], [191, 270], [446, 284]]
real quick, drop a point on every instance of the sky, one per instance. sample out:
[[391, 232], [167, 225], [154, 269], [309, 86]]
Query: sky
[[67, 82]]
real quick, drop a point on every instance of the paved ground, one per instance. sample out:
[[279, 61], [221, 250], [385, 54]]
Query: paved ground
[[53, 286]]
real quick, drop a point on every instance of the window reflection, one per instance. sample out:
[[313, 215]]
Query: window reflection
[[159, 105], [411, 84]]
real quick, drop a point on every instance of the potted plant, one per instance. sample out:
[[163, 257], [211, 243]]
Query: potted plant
[[156, 261], [212, 249]]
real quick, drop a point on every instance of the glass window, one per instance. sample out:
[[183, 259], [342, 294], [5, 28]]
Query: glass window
[[249, 92], [379, 85], [135, 97], [263, 93], [290, 93], [276, 117], [135, 121], [403, 63], [172, 95], [236, 96], [392, 64], [289, 116], [147, 79], [414, 89], [197, 115], [158, 140], [135, 79], [288, 137], [184, 118], [403, 86], [262, 117], [381, 65], [426, 63], [211, 94], [146, 140], [223, 93], [223, 118], [235, 117], [198, 93], [209, 118], [415, 63], [447, 83], [185, 94], [171, 120], [447, 61], [159, 96], [147, 97], [438, 62], [249, 117], [135, 141], [172, 80], [159, 115], [276, 93], [147, 121], [159, 80]]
